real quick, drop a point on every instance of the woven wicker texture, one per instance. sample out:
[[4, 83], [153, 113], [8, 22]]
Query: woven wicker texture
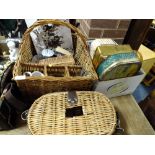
[[63, 60], [47, 115], [49, 84]]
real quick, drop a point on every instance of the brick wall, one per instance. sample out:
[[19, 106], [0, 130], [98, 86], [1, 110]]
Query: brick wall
[[105, 28]]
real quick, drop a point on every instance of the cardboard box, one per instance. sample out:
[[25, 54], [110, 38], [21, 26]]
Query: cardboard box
[[119, 87], [148, 58]]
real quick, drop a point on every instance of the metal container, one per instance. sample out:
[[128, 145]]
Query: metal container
[[102, 52], [119, 66]]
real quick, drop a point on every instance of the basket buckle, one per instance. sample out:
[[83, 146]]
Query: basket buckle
[[72, 98], [24, 115], [119, 130]]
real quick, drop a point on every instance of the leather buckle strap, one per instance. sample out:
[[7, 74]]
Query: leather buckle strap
[[72, 98]]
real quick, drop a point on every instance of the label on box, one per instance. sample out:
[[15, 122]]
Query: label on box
[[117, 88]]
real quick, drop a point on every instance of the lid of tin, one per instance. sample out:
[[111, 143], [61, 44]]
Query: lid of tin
[[98, 42], [119, 66]]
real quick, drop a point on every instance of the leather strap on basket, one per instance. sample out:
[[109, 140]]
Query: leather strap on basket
[[72, 98], [6, 77]]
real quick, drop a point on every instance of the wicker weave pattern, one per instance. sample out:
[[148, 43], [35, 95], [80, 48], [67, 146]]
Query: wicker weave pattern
[[63, 60], [49, 84], [47, 115]]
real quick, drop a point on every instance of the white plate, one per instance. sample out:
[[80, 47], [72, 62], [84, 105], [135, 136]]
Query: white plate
[[47, 52], [37, 73]]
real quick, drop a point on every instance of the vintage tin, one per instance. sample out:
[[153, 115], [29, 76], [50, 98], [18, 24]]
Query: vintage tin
[[100, 42], [102, 52], [119, 66]]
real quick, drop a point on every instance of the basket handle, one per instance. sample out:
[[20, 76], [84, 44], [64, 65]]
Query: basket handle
[[56, 22]]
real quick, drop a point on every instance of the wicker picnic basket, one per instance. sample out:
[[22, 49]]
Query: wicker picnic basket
[[34, 87], [93, 113]]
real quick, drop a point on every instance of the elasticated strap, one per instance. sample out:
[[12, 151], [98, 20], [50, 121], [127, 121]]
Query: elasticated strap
[[12, 100]]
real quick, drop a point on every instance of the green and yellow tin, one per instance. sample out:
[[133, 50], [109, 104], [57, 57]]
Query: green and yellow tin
[[119, 65], [116, 61], [102, 52]]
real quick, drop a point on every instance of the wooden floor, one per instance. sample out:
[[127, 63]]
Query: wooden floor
[[132, 118]]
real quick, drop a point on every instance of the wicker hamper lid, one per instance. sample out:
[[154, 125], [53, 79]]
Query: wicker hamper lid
[[53, 114]]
